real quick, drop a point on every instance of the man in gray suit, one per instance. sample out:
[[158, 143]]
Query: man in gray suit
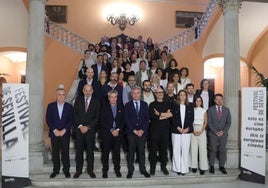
[[219, 122]]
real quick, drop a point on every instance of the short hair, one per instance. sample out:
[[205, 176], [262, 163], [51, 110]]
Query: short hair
[[186, 69], [131, 76], [86, 51], [176, 63], [135, 88], [143, 61], [90, 44], [188, 85], [145, 81], [218, 95], [163, 52], [112, 92], [60, 89], [99, 54]]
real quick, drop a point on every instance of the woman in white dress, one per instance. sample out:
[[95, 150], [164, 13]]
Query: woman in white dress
[[199, 138], [181, 129], [184, 80]]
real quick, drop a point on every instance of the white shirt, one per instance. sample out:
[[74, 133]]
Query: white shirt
[[182, 110], [60, 109], [148, 99], [144, 76], [185, 81], [135, 67], [205, 97]]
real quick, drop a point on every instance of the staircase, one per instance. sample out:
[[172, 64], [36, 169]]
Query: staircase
[[80, 44], [42, 179]]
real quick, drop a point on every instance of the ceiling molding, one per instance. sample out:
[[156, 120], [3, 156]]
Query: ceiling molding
[[192, 2]]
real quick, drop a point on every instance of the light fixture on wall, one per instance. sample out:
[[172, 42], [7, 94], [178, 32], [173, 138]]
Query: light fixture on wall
[[122, 14]]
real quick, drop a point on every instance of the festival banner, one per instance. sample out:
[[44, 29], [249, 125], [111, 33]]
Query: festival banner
[[253, 134], [15, 135]]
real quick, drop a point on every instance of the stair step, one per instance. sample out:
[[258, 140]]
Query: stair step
[[43, 180]]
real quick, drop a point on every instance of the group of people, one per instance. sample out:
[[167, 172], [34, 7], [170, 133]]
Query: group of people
[[149, 103]]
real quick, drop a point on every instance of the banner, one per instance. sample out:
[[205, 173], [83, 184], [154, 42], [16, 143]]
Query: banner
[[15, 135], [253, 134]]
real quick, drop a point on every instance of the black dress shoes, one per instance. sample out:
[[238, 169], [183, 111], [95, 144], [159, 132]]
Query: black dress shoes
[[194, 170], [67, 175], [53, 174], [178, 173], [165, 171], [146, 174], [129, 175], [202, 172], [118, 174], [211, 170], [152, 171], [222, 169], [77, 174], [91, 174]]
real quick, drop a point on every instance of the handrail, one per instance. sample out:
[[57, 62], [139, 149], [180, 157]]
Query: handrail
[[80, 44]]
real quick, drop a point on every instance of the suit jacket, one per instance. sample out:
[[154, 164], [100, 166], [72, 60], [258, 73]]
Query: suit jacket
[[107, 119], [88, 118], [176, 119], [104, 93], [95, 69], [95, 84], [53, 119], [138, 77], [160, 64], [210, 95], [215, 124], [134, 121]]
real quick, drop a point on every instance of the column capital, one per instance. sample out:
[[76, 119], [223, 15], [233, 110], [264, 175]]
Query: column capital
[[227, 5], [42, 1]]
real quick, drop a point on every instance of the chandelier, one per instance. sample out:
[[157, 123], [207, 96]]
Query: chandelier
[[122, 14]]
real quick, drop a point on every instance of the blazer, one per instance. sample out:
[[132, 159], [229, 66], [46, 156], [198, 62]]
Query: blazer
[[104, 93], [95, 69], [88, 118], [210, 95], [176, 119], [95, 85], [138, 77], [215, 124], [107, 119], [134, 121], [53, 119], [160, 64]]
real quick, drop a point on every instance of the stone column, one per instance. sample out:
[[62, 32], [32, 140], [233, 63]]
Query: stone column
[[35, 78], [230, 10]]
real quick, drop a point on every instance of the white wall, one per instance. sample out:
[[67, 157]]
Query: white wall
[[14, 24]]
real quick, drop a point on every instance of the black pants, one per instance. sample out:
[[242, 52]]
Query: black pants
[[159, 142], [84, 141], [133, 143], [111, 143], [60, 144]]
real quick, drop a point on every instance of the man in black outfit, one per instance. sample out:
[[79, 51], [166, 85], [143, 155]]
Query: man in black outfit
[[112, 121], [159, 111], [86, 115], [137, 123]]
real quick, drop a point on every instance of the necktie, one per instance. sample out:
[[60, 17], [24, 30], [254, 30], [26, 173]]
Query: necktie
[[219, 112], [137, 108], [86, 104]]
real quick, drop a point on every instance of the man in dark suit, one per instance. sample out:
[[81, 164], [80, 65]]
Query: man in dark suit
[[112, 121], [137, 123], [89, 80], [98, 67], [86, 115], [112, 85], [219, 122], [59, 119]]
